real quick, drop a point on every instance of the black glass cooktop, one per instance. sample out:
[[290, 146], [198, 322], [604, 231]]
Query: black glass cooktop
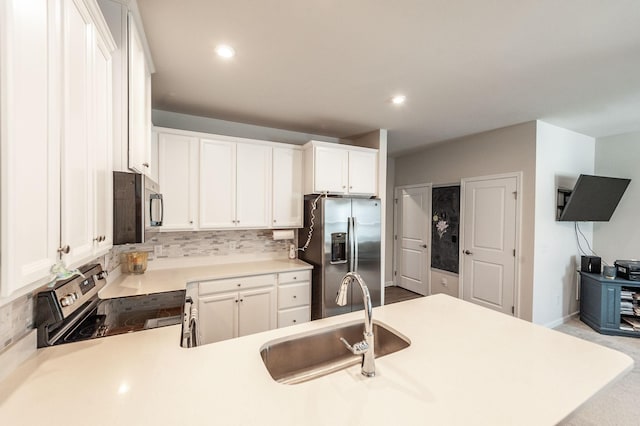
[[129, 314]]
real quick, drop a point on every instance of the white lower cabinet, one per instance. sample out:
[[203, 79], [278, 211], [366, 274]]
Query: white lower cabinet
[[218, 317], [236, 307], [294, 298]]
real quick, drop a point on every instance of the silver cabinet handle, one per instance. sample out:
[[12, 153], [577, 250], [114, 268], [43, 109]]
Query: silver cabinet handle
[[145, 164], [64, 249], [467, 252], [423, 246]]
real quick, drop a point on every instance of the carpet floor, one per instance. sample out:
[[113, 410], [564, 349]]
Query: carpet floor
[[619, 403]]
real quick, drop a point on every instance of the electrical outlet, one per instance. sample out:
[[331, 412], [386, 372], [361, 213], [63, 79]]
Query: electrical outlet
[[157, 250], [292, 251], [233, 245]]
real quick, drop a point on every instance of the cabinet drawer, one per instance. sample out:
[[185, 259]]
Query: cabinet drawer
[[294, 316], [295, 276], [239, 283], [293, 295]]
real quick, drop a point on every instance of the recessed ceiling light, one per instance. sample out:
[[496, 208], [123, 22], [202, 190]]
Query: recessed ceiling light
[[398, 99], [225, 51]]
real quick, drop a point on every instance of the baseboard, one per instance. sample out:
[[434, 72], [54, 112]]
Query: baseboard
[[389, 284], [560, 321]]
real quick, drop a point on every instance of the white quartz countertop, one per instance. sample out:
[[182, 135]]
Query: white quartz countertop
[[466, 366], [169, 279]]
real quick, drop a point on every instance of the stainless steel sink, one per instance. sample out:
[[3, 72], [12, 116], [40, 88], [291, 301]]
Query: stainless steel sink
[[299, 358]]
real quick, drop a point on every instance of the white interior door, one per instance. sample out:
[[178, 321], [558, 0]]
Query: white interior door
[[412, 238], [489, 242]]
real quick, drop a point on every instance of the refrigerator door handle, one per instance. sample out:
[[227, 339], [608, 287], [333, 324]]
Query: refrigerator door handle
[[355, 243], [350, 236]]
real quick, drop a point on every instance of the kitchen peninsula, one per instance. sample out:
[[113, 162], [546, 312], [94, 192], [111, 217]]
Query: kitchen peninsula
[[465, 365]]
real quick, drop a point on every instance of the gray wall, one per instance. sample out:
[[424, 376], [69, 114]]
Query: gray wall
[[617, 156], [509, 149], [561, 156]]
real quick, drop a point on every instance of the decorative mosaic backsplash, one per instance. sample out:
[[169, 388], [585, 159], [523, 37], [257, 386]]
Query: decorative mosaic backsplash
[[203, 244], [16, 320]]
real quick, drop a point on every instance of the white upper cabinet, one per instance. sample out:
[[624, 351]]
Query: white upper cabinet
[[287, 187], [340, 169], [29, 156], [139, 104], [178, 164], [132, 68], [103, 137], [253, 185], [331, 170], [217, 184], [227, 182], [56, 133], [363, 172], [77, 161], [235, 189]]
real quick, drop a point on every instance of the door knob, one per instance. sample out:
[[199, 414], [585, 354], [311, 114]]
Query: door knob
[[423, 246], [467, 252]]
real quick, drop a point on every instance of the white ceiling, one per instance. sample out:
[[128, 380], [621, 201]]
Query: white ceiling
[[329, 67]]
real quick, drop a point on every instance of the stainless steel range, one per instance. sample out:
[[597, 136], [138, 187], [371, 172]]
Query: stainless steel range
[[70, 310]]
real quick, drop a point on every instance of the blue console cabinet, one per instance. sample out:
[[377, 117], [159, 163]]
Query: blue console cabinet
[[600, 303]]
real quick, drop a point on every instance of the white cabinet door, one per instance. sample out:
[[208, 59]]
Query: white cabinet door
[[139, 103], [218, 317], [287, 187], [330, 170], [253, 185], [77, 159], [29, 156], [257, 311], [102, 136], [153, 166], [178, 162], [217, 184], [363, 172]]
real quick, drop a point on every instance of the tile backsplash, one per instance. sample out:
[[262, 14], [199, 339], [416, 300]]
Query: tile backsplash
[[16, 320], [204, 244]]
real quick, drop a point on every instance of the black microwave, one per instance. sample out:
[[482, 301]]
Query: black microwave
[[138, 208]]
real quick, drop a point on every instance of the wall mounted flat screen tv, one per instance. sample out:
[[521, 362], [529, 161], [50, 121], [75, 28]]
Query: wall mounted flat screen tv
[[593, 199]]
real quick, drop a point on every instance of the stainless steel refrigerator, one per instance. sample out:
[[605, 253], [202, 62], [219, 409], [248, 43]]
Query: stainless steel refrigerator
[[346, 237]]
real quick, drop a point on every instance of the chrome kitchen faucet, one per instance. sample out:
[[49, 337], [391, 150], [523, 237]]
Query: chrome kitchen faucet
[[365, 347]]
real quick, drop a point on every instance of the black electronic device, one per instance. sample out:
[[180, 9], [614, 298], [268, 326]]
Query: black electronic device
[[628, 269], [593, 199], [591, 264]]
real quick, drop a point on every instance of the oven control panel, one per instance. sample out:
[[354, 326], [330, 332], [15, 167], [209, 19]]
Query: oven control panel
[[73, 293]]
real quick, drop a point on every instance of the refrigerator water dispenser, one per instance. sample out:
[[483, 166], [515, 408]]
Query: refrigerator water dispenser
[[338, 247]]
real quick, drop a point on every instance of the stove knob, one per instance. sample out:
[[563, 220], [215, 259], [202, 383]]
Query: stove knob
[[68, 299]]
